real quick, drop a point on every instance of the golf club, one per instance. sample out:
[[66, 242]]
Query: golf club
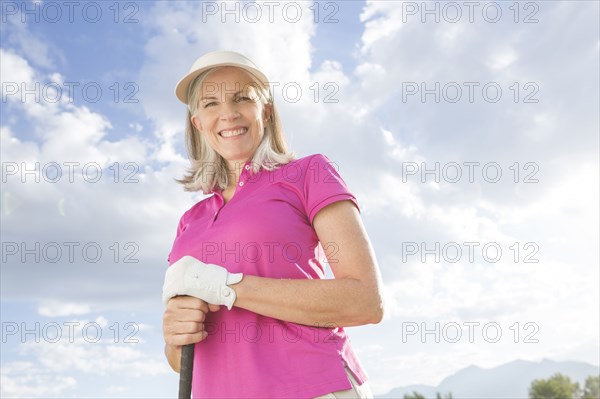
[[185, 371]]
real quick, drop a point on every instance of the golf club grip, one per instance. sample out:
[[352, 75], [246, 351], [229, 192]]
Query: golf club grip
[[185, 371]]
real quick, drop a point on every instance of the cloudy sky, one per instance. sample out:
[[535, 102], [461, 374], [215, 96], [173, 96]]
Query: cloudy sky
[[469, 134]]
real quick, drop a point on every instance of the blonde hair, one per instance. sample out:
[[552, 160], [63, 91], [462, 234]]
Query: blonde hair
[[208, 168]]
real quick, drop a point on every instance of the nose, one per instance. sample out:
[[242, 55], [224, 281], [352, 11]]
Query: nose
[[229, 111]]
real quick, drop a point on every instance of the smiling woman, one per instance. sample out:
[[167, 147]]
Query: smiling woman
[[230, 115], [256, 245], [243, 90]]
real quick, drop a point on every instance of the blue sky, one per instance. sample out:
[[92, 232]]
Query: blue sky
[[513, 134]]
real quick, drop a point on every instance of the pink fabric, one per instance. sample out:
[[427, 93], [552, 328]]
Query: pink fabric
[[266, 230]]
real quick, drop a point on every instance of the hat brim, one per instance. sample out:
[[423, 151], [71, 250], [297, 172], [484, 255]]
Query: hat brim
[[182, 87]]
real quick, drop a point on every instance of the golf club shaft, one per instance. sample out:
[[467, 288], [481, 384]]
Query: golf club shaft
[[185, 371]]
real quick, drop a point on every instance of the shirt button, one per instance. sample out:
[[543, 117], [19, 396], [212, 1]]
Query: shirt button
[[247, 167], [226, 292], [241, 183]]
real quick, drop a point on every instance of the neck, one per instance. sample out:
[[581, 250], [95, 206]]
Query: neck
[[234, 169]]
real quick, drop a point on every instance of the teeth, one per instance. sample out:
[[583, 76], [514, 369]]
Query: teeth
[[231, 133]]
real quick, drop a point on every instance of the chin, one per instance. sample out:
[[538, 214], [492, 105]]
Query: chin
[[236, 156]]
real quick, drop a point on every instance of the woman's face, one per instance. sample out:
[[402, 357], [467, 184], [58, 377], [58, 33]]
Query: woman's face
[[230, 115]]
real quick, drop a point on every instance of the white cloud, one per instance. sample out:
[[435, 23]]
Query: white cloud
[[381, 21], [67, 152], [69, 133], [15, 69], [25, 379], [502, 59], [63, 309], [42, 53], [61, 356]]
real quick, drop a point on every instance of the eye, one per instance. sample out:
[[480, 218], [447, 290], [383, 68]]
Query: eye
[[209, 104], [244, 98]]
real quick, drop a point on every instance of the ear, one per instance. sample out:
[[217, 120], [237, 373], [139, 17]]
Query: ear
[[196, 123], [267, 109]]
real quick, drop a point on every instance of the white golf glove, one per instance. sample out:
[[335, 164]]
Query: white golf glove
[[189, 276]]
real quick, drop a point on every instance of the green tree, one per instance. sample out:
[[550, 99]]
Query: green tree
[[556, 387], [447, 396], [592, 387]]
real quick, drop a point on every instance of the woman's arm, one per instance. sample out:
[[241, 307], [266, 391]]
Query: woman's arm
[[353, 298], [183, 323]]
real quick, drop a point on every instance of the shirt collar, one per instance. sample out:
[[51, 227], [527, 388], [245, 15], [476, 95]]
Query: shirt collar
[[243, 175]]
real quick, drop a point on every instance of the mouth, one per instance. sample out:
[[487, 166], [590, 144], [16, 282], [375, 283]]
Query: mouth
[[237, 131]]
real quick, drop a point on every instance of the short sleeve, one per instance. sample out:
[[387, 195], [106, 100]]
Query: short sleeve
[[323, 185]]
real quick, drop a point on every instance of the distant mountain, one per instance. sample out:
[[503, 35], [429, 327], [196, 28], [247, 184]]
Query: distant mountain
[[510, 380]]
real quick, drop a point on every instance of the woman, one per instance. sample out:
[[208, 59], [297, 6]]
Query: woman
[[264, 232]]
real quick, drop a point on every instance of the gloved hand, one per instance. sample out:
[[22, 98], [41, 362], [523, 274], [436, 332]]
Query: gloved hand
[[189, 276]]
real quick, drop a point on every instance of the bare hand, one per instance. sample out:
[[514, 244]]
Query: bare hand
[[183, 320]]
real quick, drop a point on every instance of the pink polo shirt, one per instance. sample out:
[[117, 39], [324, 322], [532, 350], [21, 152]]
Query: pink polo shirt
[[266, 230]]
